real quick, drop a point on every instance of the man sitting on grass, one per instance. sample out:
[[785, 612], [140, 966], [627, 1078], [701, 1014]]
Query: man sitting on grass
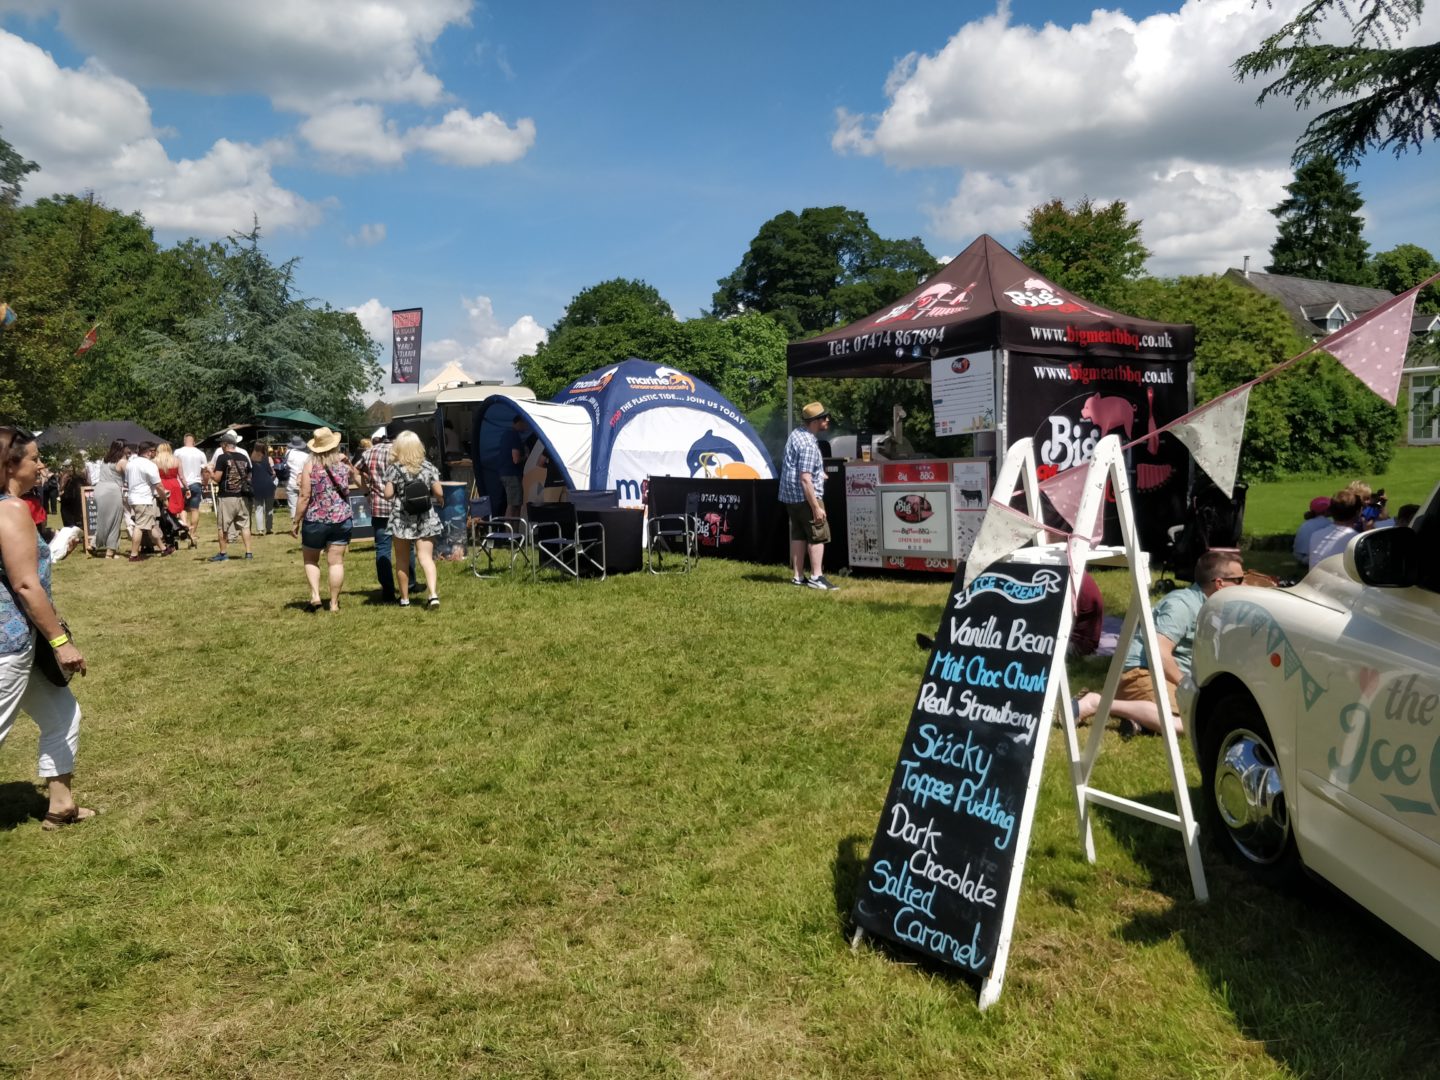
[[1175, 619]]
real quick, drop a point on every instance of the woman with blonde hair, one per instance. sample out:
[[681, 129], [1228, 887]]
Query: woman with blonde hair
[[169, 467], [413, 483], [323, 504]]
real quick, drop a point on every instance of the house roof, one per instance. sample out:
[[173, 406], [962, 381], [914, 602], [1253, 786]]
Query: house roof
[[1307, 300]]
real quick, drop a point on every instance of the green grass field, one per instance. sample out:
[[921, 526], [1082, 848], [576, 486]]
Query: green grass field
[[605, 829]]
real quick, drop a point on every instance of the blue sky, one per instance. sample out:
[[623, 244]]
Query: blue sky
[[486, 162]]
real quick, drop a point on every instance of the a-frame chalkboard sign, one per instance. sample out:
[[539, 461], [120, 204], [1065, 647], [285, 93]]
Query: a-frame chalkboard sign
[[944, 871]]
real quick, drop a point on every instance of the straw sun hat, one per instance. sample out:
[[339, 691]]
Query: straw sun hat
[[324, 441]]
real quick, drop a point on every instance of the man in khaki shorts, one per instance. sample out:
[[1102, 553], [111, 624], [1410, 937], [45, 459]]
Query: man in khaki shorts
[[142, 483], [1176, 617], [802, 490], [231, 471]]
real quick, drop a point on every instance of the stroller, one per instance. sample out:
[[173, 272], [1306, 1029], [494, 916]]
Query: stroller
[[173, 529], [1211, 521]]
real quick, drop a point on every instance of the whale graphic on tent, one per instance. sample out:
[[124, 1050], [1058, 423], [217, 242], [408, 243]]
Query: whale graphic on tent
[[617, 426]]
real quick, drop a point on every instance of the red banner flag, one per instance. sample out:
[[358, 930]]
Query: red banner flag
[[90, 339]]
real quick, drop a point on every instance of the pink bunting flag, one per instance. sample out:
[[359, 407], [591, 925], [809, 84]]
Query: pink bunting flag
[[1372, 348], [1064, 490], [1213, 433]]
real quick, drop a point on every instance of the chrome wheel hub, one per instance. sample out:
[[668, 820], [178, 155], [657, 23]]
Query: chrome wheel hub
[[1251, 798]]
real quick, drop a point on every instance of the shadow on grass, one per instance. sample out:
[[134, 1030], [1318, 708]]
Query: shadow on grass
[[1323, 984], [20, 803]]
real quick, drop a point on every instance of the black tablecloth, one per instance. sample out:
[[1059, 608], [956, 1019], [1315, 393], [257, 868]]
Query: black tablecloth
[[624, 538]]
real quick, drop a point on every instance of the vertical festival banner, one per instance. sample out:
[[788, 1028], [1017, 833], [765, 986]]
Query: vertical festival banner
[[405, 345], [939, 870]]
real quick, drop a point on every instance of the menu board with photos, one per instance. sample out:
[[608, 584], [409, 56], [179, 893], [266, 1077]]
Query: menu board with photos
[[940, 867]]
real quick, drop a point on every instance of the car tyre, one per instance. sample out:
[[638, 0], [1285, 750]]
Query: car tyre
[[1245, 799]]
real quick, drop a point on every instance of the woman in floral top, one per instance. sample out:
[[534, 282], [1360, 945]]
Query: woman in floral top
[[323, 504], [26, 611], [413, 525]]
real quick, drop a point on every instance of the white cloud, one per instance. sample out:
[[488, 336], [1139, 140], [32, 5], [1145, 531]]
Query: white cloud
[[488, 350], [355, 132], [90, 129], [1145, 111], [367, 236], [462, 139], [299, 53]]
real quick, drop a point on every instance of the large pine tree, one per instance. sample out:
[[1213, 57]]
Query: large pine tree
[[1320, 227]]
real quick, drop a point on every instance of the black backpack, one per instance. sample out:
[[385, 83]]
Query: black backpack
[[415, 496]]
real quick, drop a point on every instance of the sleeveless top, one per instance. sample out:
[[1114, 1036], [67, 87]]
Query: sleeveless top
[[327, 502], [14, 625]]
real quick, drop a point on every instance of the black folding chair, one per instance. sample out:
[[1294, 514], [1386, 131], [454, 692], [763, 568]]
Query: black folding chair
[[561, 543], [672, 535], [490, 536]]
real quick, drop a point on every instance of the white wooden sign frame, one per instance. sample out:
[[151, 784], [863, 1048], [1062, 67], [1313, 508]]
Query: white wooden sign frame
[[1107, 464]]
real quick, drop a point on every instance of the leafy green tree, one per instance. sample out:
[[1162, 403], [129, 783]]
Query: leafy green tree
[[13, 170], [1315, 417], [75, 262], [1090, 250], [821, 268], [258, 346], [742, 357], [1389, 96], [1405, 266], [1320, 227]]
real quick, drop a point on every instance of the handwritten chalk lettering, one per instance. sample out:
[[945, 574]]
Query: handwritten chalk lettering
[[983, 804], [931, 701], [962, 884], [984, 636], [950, 668], [1017, 678], [908, 928], [902, 887], [921, 836], [925, 787], [970, 707], [1022, 641], [937, 745]]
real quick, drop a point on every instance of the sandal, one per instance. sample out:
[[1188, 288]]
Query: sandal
[[313, 606], [433, 602], [72, 816]]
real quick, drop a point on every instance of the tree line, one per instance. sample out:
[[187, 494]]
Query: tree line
[[188, 338]]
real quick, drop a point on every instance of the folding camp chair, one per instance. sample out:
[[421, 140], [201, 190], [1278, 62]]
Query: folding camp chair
[[560, 542], [669, 534], [507, 537]]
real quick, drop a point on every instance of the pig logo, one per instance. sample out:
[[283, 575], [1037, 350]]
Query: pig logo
[[1109, 413], [913, 508], [960, 365]]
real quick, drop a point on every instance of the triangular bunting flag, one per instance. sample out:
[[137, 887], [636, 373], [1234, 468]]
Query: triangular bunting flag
[[1292, 661], [1273, 639], [1311, 688], [1075, 548], [1373, 348], [1212, 434], [1004, 530], [1064, 490]]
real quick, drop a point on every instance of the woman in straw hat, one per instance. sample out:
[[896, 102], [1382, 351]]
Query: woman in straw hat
[[324, 509]]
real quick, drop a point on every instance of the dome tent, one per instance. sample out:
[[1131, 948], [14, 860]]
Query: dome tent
[[613, 428]]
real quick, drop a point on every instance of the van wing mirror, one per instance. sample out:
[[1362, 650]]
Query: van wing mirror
[[1386, 558]]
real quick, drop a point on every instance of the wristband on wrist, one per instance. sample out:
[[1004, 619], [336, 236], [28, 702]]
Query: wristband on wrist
[[63, 639]]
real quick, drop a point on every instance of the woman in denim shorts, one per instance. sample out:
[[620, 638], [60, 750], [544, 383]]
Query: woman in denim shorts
[[324, 509]]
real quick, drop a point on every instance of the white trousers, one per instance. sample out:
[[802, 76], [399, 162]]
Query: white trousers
[[53, 708]]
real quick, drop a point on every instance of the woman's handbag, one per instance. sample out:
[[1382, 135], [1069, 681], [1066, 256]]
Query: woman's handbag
[[48, 662]]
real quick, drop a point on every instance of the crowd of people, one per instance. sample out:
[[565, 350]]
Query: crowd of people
[[154, 494], [1331, 523]]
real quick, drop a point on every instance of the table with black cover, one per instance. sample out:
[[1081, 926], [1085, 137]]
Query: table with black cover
[[624, 537], [739, 519]]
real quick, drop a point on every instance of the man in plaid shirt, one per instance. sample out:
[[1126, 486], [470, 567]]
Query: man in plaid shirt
[[802, 490], [372, 466]]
